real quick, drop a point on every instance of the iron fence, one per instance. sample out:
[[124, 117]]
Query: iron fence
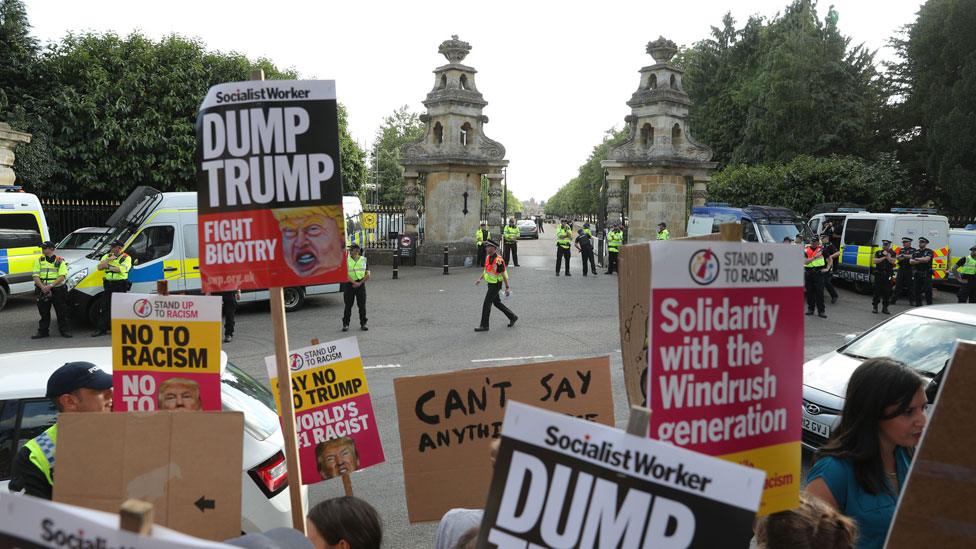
[[65, 215], [386, 226]]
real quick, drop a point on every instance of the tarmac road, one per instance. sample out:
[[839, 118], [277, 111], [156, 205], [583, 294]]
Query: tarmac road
[[423, 323]]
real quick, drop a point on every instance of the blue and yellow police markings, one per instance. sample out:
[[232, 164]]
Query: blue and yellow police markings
[[15, 261]]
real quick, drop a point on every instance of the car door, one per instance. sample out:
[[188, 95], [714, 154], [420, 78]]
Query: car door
[[20, 421], [191, 252], [154, 258]]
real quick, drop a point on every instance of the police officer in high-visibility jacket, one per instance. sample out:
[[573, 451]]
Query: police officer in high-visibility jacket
[[814, 277], [480, 236], [494, 274], [50, 272], [615, 239], [116, 265], [904, 278], [662, 231], [355, 289], [74, 387], [510, 235], [965, 270], [564, 242], [921, 262]]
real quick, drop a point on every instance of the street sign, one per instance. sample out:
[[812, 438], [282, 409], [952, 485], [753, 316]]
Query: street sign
[[369, 221], [405, 241]]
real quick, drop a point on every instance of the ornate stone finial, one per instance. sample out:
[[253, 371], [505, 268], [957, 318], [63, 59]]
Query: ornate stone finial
[[454, 50], [662, 49]]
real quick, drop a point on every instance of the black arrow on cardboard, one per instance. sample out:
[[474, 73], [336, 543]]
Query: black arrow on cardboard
[[204, 503]]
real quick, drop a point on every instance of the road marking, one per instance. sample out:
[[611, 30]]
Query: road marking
[[381, 366], [509, 358]]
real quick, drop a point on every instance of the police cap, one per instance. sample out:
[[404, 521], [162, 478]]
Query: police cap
[[491, 243], [972, 248], [906, 239], [883, 242], [118, 243], [923, 239], [354, 246], [47, 245], [77, 375]]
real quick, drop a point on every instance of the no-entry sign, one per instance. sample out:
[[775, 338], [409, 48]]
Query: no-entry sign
[[405, 241]]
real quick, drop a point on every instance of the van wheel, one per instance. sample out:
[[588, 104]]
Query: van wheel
[[3, 296], [95, 309], [862, 287], [294, 299]]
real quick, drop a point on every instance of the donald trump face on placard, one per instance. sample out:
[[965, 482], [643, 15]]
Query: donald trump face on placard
[[179, 395], [311, 238], [337, 457]]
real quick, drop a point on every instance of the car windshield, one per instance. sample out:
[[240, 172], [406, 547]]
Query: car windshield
[[80, 241], [243, 393], [779, 231], [923, 343]]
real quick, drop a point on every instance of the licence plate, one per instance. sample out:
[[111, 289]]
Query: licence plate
[[821, 429]]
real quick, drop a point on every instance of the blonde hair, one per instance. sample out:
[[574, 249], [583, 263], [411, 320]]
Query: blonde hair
[[813, 525], [288, 215], [182, 381]]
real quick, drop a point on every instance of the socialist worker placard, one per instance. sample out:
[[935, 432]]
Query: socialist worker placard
[[269, 187]]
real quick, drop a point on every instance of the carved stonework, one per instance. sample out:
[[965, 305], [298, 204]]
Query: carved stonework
[[454, 50], [9, 139], [662, 49]]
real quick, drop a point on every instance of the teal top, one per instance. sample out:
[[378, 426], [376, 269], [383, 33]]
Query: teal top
[[872, 512]]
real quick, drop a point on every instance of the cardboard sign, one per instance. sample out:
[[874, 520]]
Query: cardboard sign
[[726, 356], [334, 417], [269, 185], [936, 507], [165, 352], [447, 422], [187, 465], [36, 522], [562, 482]]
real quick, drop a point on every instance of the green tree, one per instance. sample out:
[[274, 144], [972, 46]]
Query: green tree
[[397, 130], [18, 52], [352, 158], [581, 195]]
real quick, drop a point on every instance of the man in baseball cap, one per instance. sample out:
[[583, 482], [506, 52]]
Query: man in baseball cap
[[74, 387]]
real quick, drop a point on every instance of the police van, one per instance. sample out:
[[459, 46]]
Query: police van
[[862, 233], [759, 223], [960, 240], [23, 228], [160, 234]]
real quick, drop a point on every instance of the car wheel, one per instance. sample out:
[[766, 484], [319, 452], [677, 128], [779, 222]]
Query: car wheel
[[294, 299], [3, 296], [862, 287], [95, 309]]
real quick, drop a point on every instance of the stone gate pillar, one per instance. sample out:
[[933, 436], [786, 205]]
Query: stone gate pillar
[[496, 217], [615, 205], [9, 139], [411, 203], [699, 190]]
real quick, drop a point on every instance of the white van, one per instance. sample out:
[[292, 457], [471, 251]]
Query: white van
[[23, 228], [160, 234], [862, 237], [960, 240]]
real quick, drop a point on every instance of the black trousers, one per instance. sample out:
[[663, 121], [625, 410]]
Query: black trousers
[[481, 256], [829, 284], [58, 298], [814, 282], [492, 298], [882, 290], [110, 287], [229, 310], [511, 251], [967, 290], [923, 287], [587, 257], [560, 254], [904, 285], [612, 262], [349, 295]]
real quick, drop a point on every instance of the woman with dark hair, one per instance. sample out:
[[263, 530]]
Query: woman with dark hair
[[863, 466], [344, 523]]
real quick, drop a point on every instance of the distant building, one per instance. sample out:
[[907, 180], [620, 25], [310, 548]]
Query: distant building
[[530, 208]]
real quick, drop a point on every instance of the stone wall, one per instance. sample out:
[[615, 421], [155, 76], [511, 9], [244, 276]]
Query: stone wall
[[653, 199], [444, 204]]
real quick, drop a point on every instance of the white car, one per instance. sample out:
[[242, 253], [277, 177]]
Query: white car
[[924, 338], [25, 413]]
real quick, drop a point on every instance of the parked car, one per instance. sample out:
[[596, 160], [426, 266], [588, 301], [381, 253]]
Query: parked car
[[528, 229], [84, 238], [759, 223], [25, 413], [923, 338]]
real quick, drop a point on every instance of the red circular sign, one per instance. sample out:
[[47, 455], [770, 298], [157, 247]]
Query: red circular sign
[[405, 241]]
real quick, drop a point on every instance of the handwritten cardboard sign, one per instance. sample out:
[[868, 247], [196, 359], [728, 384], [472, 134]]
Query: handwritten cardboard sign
[[447, 422], [562, 482], [165, 352], [334, 417]]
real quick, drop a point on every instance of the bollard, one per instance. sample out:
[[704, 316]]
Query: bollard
[[445, 259], [396, 262]]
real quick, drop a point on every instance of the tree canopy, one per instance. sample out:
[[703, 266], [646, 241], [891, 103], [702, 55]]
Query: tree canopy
[[398, 129]]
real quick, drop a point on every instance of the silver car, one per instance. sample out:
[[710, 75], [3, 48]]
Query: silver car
[[923, 338]]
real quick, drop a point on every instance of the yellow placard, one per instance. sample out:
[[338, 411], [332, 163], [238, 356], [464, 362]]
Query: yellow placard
[[162, 346], [782, 465], [326, 384], [369, 220]]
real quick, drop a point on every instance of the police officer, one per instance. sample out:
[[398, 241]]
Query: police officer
[[965, 270], [615, 239], [662, 231], [511, 235], [564, 240], [884, 265], [116, 265], [904, 281], [922, 262], [584, 245], [355, 289], [494, 274], [813, 278], [228, 308], [586, 229], [74, 387], [480, 236], [830, 253], [50, 272]]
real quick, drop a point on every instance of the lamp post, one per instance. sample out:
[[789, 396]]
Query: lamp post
[[504, 195]]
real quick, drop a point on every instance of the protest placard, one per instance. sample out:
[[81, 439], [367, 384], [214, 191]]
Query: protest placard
[[269, 187], [447, 422], [334, 417], [165, 352], [725, 356], [562, 482], [936, 507]]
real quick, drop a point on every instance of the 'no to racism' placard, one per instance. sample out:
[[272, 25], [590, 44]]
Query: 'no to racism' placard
[[269, 188], [725, 357], [562, 482], [334, 417], [165, 352]]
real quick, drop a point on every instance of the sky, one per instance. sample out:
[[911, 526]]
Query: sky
[[556, 75]]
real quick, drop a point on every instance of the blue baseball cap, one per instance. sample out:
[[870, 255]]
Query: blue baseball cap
[[77, 375]]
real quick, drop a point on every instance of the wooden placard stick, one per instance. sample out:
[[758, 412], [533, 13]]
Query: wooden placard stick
[[136, 516], [346, 479], [162, 287]]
